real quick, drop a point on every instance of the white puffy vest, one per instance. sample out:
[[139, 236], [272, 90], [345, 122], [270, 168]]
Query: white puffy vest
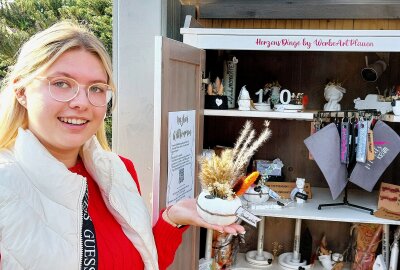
[[41, 206]]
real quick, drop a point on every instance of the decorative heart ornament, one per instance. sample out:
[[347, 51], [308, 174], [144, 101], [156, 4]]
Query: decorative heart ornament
[[218, 101]]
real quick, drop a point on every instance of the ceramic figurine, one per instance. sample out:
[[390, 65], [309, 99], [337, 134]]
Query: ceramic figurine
[[275, 95], [300, 183], [244, 99], [333, 93], [258, 193], [372, 101], [260, 94], [260, 105], [275, 89]]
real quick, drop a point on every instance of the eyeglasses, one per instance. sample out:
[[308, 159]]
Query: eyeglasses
[[65, 89]]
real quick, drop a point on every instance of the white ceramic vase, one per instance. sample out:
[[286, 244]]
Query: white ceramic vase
[[217, 211], [257, 194]]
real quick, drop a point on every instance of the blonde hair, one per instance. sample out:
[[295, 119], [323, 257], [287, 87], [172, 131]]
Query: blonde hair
[[35, 56]]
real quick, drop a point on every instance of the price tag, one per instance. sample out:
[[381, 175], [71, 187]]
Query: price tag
[[247, 216]]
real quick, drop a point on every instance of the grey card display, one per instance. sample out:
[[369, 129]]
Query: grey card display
[[386, 148], [324, 146]]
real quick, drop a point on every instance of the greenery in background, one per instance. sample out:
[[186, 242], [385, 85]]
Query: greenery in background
[[20, 19]]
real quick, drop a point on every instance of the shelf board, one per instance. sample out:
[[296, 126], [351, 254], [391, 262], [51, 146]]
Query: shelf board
[[303, 115], [309, 210]]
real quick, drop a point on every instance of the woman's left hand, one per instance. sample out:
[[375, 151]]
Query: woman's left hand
[[184, 212]]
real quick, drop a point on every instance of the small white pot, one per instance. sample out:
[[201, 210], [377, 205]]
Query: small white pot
[[256, 195], [326, 261], [217, 211]]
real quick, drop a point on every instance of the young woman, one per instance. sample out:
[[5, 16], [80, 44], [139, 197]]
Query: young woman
[[66, 201]]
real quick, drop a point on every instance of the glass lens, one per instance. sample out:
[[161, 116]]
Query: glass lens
[[62, 88], [99, 94]]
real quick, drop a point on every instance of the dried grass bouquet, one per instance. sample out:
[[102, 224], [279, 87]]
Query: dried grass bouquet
[[223, 176]]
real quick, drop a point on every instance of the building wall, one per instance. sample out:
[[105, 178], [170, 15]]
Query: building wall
[[135, 25]]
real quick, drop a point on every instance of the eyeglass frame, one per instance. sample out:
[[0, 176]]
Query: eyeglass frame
[[79, 88]]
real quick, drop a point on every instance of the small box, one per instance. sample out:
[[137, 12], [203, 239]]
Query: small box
[[389, 198], [216, 102], [265, 165], [285, 188]]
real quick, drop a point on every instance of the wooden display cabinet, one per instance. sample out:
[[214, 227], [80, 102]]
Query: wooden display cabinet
[[302, 61]]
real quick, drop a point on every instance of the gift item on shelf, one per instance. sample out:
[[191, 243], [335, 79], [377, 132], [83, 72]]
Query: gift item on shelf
[[306, 246], [293, 260], [215, 102], [223, 179], [379, 263], [394, 253], [259, 257], [286, 104], [386, 148], [229, 78], [224, 250], [261, 105], [333, 93], [298, 99], [367, 241], [284, 189], [268, 167], [396, 106], [372, 72], [328, 259], [388, 202], [215, 98], [244, 100], [373, 101], [336, 155], [256, 194], [298, 194]]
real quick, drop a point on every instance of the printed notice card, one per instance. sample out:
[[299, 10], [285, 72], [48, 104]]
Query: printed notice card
[[181, 155]]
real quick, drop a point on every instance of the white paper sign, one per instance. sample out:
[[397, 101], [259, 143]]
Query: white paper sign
[[181, 155]]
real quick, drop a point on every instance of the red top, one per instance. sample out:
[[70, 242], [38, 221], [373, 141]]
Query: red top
[[115, 251]]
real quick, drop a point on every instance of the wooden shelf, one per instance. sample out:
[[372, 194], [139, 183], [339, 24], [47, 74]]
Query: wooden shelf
[[303, 115], [309, 210]]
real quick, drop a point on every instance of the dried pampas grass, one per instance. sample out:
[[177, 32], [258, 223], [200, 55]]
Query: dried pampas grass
[[219, 174]]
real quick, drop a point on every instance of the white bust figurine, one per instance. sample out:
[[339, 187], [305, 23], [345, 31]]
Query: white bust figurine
[[333, 93], [244, 99]]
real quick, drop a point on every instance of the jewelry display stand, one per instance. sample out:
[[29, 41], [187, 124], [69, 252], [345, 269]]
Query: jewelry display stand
[[292, 260], [259, 257], [346, 202], [350, 165]]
